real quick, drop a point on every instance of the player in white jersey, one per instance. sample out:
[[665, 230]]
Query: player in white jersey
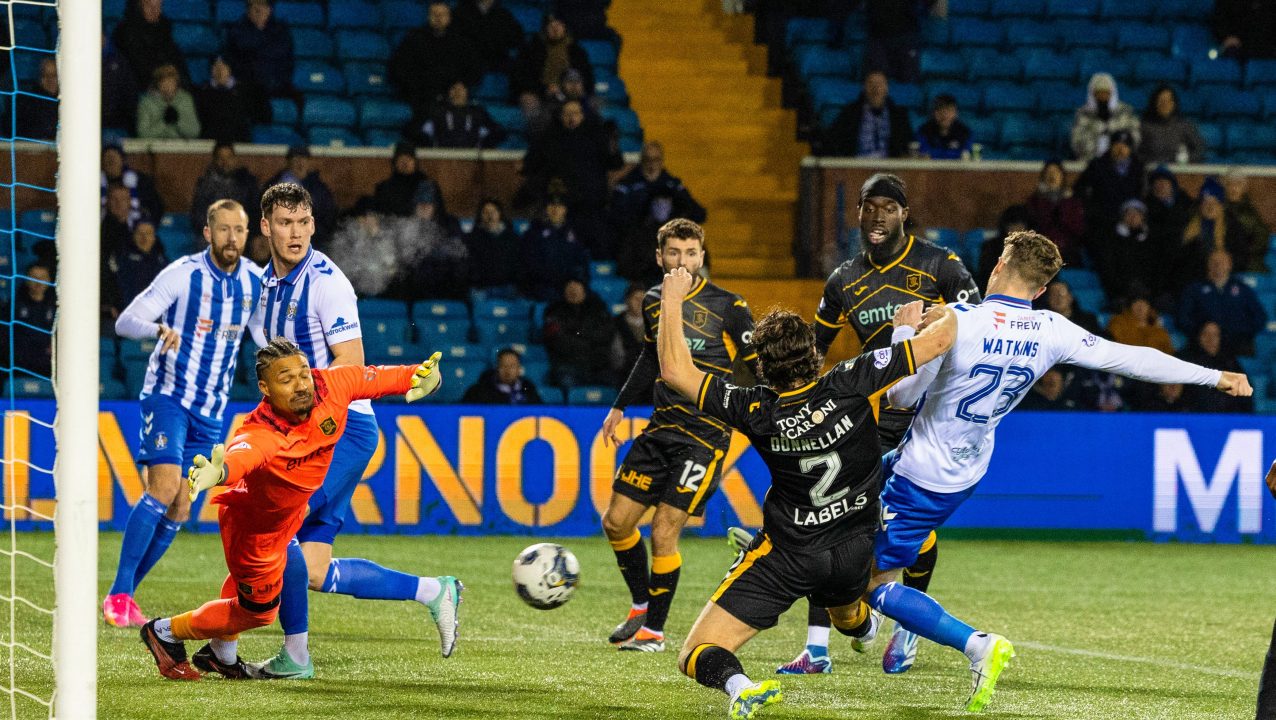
[[308, 300], [1002, 347], [197, 309]]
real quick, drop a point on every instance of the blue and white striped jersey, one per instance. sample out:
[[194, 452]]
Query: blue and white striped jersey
[[210, 309], [314, 306]]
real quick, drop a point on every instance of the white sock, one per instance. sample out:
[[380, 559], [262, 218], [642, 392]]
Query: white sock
[[640, 607], [736, 683], [977, 646], [298, 647], [818, 636], [427, 589], [226, 651], [164, 629]]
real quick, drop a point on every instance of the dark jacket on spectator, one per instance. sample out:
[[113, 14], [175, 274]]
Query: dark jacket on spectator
[[1234, 307], [239, 185], [147, 46], [1163, 136], [116, 236], [262, 57], [1060, 218], [580, 157], [325, 205], [424, 65], [1201, 399], [843, 136], [585, 18], [37, 118], [489, 390], [228, 113], [449, 126], [526, 76], [32, 349], [632, 194], [496, 34], [1103, 188], [550, 257], [142, 188], [134, 270], [496, 257], [1254, 234], [938, 146], [578, 339], [394, 195], [119, 91]]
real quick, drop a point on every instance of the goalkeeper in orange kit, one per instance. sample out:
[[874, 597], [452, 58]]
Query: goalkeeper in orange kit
[[273, 465]]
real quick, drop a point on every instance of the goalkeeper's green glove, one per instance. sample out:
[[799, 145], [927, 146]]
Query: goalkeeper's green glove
[[426, 380], [206, 473]]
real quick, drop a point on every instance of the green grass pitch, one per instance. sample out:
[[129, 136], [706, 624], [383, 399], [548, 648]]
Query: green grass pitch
[[1102, 629]]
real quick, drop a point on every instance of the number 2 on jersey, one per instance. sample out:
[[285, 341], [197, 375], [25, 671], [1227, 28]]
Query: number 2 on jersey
[[1017, 377], [832, 463]]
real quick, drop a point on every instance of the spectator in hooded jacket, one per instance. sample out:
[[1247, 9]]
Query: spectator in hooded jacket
[[1166, 133], [944, 136], [551, 254], [549, 53], [228, 108], [872, 126], [259, 50], [458, 123], [503, 384], [494, 248], [578, 333], [1108, 181], [142, 194], [1103, 115], [1224, 299], [1254, 230], [298, 169], [430, 59], [1055, 213], [493, 31], [166, 111], [145, 39]]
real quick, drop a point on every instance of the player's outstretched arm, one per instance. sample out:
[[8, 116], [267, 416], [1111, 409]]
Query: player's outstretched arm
[[1234, 384], [1146, 364], [676, 366], [938, 333]]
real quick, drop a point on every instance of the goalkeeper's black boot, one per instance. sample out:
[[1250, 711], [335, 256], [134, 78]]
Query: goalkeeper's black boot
[[205, 659]]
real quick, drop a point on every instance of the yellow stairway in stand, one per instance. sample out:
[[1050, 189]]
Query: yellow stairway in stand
[[699, 86]]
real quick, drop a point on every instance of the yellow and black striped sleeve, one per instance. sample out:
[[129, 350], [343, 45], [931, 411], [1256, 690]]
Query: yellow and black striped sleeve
[[734, 405], [876, 369]]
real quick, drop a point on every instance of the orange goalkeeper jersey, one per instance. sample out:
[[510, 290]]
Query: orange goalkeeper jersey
[[273, 466]]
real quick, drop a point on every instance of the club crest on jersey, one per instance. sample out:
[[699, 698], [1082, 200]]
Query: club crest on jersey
[[699, 318], [292, 310], [881, 358], [161, 441], [328, 426], [247, 304], [913, 282]]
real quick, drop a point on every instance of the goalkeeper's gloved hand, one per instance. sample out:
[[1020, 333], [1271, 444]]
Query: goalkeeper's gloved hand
[[426, 380], [206, 473]]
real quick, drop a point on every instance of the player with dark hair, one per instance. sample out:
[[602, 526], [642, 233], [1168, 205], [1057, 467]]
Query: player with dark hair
[[676, 463], [274, 464], [818, 436]]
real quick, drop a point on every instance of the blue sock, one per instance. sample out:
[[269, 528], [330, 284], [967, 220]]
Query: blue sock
[[367, 580], [142, 521], [817, 650], [163, 538], [294, 606], [919, 613]]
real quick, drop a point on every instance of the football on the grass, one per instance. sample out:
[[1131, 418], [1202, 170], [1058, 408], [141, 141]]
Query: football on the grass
[[545, 575]]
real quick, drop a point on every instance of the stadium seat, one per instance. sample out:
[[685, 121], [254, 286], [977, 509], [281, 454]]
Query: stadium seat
[[375, 112], [300, 13], [134, 351], [461, 351], [329, 136], [114, 9], [1080, 279], [29, 387], [591, 395], [1142, 36], [626, 120], [328, 110], [195, 38], [283, 111], [226, 12], [1191, 42], [538, 373], [276, 135], [404, 14], [807, 30], [1031, 33], [361, 45], [1230, 102], [187, 11], [937, 63], [1091, 299], [529, 17], [367, 79], [1004, 97], [1219, 72], [312, 43], [947, 238], [1160, 70], [967, 96], [508, 116], [1094, 61], [1212, 135], [816, 60], [1184, 9], [43, 222], [1026, 131], [454, 310], [531, 352], [353, 14], [1084, 33], [1072, 8], [1251, 137], [495, 86], [985, 131], [1260, 283], [969, 31], [1056, 97], [602, 53], [969, 7], [1260, 72], [935, 32], [386, 330], [908, 95], [442, 332], [1041, 65], [611, 290], [1017, 8], [503, 332], [1128, 9], [987, 64], [458, 376], [610, 88], [602, 269], [382, 308], [502, 309], [311, 76]]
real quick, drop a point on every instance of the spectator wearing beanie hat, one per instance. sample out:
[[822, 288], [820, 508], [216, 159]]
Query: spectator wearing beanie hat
[[1102, 115]]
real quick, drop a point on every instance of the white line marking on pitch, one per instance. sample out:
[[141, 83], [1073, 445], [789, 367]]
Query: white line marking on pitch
[[1137, 659]]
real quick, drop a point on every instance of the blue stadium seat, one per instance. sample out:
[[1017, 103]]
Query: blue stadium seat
[[503, 332], [1230, 102], [935, 32], [611, 290], [1251, 137], [226, 12], [378, 113], [1017, 8], [198, 67], [1260, 72], [937, 63], [276, 135], [187, 11], [969, 7], [386, 329], [968, 31], [442, 332], [502, 309], [509, 117], [631, 142], [404, 14], [602, 269], [531, 352], [136, 350], [382, 308], [1056, 97], [367, 79], [1095, 61], [195, 38], [908, 95], [1265, 345], [832, 91], [1191, 42], [39, 221], [602, 53], [985, 131], [1091, 299], [538, 372], [1072, 8], [463, 351], [1222, 71], [1080, 279], [591, 395], [966, 95], [1136, 94], [300, 13], [1185, 9], [1025, 131], [311, 76], [1142, 36], [1128, 9], [114, 9], [458, 376], [328, 110], [283, 111], [1212, 135], [361, 45], [1031, 33], [29, 387], [327, 135], [312, 43], [176, 225], [808, 30], [816, 60], [987, 64], [626, 120], [1260, 282], [426, 310], [1041, 64], [610, 88], [1160, 70], [353, 14], [947, 238], [495, 86], [1002, 97], [530, 18]]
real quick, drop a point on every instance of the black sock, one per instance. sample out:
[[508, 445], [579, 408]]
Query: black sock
[[712, 666], [665, 570], [918, 576], [817, 616], [862, 622], [633, 565]]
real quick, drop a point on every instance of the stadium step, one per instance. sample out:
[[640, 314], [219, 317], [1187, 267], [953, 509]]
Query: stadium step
[[734, 148]]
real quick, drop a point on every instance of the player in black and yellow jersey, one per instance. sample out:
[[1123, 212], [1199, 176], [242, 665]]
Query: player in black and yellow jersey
[[818, 437], [676, 463], [893, 269]]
